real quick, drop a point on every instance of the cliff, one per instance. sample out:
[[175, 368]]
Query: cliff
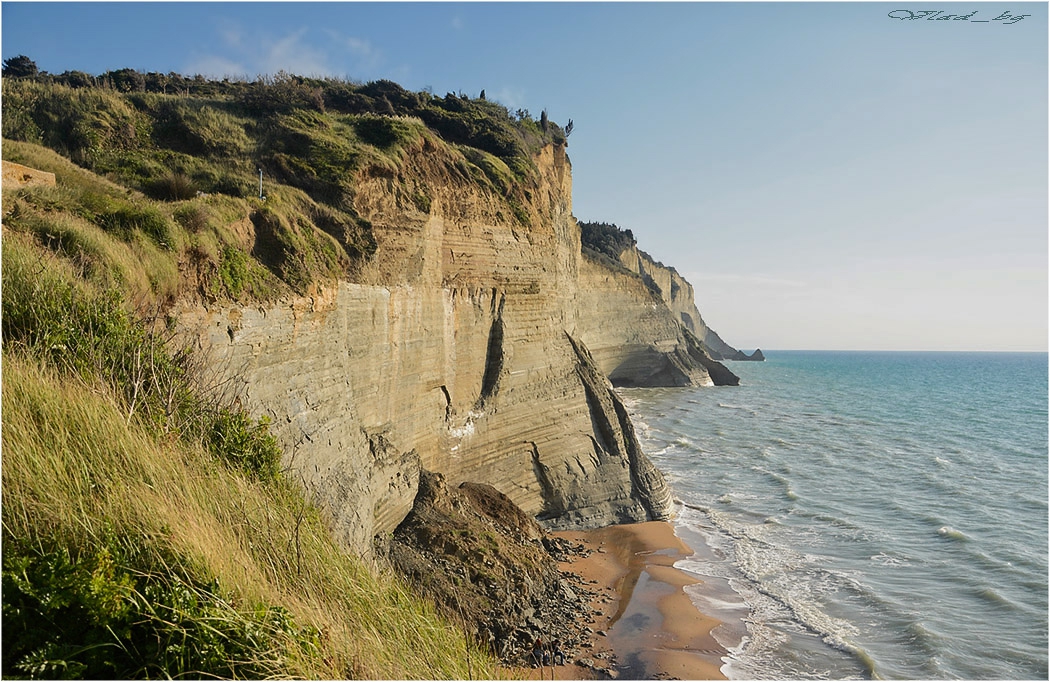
[[637, 336], [462, 348], [412, 293], [677, 294], [409, 305]]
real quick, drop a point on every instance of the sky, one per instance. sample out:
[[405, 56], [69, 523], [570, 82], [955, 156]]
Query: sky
[[827, 175]]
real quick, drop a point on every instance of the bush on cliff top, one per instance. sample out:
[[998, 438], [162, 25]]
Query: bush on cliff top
[[146, 129], [606, 238]]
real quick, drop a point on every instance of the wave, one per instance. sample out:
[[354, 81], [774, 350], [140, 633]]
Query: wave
[[782, 481], [951, 534], [990, 596], [780, 586]]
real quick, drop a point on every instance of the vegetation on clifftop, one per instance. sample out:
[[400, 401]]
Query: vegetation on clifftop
[[195, 148], [170, 137], [606, 239]]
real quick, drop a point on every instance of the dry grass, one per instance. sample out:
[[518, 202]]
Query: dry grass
[[75, 471]]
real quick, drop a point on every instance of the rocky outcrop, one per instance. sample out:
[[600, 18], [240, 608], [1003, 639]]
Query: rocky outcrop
[[17, 175], [475, 343], [636, 320], [488, 565], [678, 295]]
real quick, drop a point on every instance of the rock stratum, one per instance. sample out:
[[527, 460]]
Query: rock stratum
[[478, 343]]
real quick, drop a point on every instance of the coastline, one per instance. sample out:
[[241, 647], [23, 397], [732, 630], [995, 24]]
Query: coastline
[[642, 624]]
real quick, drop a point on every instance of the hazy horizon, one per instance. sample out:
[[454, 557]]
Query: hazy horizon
[[826, 175]]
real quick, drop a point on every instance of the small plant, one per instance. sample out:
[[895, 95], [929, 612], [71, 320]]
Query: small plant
[[234, 270], [193, 216], [246, 445], [421, 200], [173, 186]]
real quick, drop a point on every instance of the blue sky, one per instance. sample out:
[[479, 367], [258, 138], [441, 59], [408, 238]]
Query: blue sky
[[826, 175]]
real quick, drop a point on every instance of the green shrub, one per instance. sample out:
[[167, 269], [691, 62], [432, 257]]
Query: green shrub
[[380, 131], [246, 445], [173, 186], [76, 614], [234, 270]]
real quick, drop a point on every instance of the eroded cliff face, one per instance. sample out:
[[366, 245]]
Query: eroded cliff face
[[677, 294], [464, 347]]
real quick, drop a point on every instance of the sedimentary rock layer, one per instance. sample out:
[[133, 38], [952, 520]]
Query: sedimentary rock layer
[[476, 343]]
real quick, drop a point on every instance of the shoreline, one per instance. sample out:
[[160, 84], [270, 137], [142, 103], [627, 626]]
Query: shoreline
[[642, 624]]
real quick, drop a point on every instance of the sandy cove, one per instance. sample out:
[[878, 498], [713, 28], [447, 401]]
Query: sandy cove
[[644, 624]]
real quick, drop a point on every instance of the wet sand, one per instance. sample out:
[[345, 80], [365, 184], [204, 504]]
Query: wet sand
[[644, 626]]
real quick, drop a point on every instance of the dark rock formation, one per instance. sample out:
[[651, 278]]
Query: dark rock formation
[[489, 565], [741, 356]]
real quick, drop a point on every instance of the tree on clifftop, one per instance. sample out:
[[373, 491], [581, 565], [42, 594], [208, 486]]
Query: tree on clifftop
[[20, 67]]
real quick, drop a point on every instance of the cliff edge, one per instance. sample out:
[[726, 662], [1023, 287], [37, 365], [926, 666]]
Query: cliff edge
[[462, 347]]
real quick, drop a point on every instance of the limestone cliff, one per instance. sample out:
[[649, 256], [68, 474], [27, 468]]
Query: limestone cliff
[[638, 321], [475, 343], [677, 294]]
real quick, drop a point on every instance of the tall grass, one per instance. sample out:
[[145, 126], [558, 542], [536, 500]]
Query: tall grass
[[149, 541], [147, 530]]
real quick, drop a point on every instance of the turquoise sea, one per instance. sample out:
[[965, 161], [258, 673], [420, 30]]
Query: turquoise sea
[[865, 514]]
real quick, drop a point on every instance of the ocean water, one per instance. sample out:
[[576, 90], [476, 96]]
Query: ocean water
[[863, 514]]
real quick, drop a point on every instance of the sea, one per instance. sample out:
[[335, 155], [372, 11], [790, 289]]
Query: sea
[[861, 515]]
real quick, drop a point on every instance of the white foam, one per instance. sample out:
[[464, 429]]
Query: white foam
[[884, 559], [951, 533]]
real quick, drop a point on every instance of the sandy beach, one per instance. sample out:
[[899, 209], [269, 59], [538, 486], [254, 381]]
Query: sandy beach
[[643, 624]]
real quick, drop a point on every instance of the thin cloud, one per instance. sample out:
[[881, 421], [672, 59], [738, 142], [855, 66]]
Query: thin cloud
[[364, 55], [360, 47], [239, 52], [292, 54], [231, 36], [512, 98], [302, 51]]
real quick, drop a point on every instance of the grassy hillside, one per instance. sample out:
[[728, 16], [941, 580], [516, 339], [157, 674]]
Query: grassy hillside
[[147, 529], [311, 134]]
